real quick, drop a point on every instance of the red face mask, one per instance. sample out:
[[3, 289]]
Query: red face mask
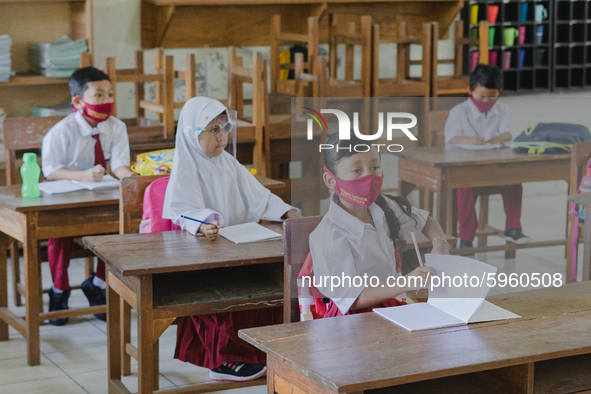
[[362, 191], [97, 112], [483, 106]]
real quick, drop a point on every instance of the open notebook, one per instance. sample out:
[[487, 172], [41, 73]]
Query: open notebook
[[55, 187], [450, 306], [478, 147], [248, 232]]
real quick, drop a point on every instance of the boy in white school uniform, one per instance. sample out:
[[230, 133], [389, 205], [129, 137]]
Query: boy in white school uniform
[[482, 120], [89, 136]]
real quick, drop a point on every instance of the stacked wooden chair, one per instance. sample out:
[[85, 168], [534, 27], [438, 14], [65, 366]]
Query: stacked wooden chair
[[292, 87], [458, 83], [249, 133], [403, 85]]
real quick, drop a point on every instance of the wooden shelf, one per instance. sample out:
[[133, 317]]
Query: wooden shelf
[[32, 79], [171, 23]]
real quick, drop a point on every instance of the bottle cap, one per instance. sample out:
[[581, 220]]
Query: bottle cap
[[30, 157]]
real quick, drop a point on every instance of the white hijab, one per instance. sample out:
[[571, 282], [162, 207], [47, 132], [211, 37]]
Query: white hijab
[[219, 183]]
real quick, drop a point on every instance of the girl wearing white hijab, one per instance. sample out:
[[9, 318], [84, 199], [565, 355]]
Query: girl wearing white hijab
[[208, 184]]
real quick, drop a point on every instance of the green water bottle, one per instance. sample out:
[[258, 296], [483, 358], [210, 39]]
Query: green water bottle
[[30, 172]]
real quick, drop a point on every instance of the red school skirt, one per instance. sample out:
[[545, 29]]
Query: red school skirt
[[212, 340]]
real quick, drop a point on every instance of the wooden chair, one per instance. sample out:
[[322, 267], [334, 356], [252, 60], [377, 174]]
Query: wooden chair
[[436, 138], [249, 131], [279, 38], [188, 76], [458, 83], [296, 234], [26, 135], [351, 36], [271, 136], [131, 208], [580, 155], [286, 142], [403, 85], [144, 131]]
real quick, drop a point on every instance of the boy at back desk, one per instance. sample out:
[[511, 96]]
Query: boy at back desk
[[89, 136], [482, 120]]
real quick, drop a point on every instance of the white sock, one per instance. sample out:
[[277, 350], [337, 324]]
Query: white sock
[[56, 290], [98, 282]]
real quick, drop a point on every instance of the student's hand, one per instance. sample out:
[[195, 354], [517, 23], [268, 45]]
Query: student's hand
[[497, 140], [440, 247], [94, 174], [424, 273], [211, 231], [476, 140]]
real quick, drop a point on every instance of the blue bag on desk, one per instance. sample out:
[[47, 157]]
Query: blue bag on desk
[[552, 138]]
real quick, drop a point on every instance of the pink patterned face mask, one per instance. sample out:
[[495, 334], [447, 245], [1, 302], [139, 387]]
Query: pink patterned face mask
[[97, 112], [362, 191]]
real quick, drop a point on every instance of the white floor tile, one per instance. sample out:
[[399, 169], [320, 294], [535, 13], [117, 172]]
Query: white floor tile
[[96, 382], [17, 370], [61, 385], [72, 337]]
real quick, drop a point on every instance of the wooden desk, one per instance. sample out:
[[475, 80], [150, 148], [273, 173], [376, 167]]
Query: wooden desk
[[31, 220], [361, 352], [585, 201], [442, 170], [172, 274], [221, 23]]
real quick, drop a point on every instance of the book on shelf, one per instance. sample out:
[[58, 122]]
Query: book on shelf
[[58, 59]]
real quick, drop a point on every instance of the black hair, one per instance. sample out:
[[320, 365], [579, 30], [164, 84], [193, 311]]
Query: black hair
[[80, 78], [332, 158], [486, 76]]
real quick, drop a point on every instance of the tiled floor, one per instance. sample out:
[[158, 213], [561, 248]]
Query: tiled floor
[[74, 357]]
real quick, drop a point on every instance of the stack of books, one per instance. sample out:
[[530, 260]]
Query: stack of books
[[62, 109], [58, 59], [5, 61]]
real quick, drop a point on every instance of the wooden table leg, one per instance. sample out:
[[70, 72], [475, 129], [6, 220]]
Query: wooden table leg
[[3, 285], [32, 287], [146, 344], [518, 379], [113, 336], [125, 324], [443, 197], [16, 272], [282, 379]]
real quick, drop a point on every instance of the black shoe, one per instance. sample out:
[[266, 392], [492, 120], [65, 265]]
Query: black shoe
[[58, 302], [465, 244], [95, 295], [517, 236], [238, 372]]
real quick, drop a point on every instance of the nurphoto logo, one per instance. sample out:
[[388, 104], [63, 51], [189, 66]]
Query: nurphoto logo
[[345, 128]]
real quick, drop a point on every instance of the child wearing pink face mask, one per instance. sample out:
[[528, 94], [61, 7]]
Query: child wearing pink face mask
[[89, 136], [356, 236], [482, 120]]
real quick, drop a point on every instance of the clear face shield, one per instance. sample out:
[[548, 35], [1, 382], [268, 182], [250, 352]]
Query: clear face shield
[[230, 129]]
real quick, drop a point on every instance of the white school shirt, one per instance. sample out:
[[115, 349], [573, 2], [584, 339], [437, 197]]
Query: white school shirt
[[344, 245], [466, 120], [70, 141]]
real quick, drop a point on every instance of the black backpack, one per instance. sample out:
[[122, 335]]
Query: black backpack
[[552, 138]]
